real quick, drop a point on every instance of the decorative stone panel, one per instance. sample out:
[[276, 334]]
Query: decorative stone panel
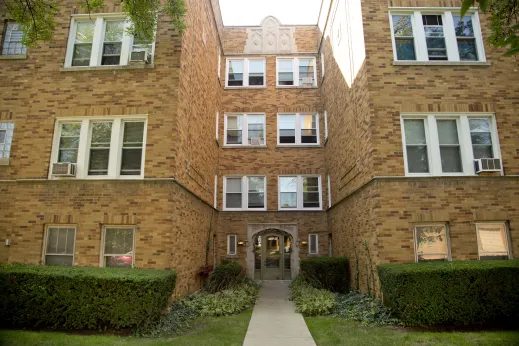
[[270, 37]]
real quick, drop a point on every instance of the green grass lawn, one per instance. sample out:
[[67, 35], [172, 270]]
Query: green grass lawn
[[207, 331], [333, 331]]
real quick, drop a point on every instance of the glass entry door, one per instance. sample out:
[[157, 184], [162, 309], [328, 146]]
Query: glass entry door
[[272, 257]]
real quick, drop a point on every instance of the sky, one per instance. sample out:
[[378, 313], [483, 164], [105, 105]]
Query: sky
[[251, 12]]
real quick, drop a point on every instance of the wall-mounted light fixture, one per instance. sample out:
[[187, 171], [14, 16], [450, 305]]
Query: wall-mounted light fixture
[[7, 242], [242, 243], [302, 242]]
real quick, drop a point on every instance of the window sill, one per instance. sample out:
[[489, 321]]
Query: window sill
[[441, 63], [245, 146], [313, 255], [298, 146], [305, 209], [4, 162], [245, 210], [232, 256], [245, 87], [13, 57], [107, 68], [295, 87]]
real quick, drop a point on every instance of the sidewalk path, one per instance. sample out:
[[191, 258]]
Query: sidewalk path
[[274, 320]]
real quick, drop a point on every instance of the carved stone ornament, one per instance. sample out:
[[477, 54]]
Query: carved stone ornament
[[270, 37]]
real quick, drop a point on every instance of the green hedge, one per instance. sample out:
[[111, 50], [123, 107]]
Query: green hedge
[[82, 297], [330, 273], [457, 293]]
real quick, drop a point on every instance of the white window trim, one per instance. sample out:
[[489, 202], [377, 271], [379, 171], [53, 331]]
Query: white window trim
[[245, 130], [322, 66], [98, 39], [329, 191], [46, 237], [244, 193], [433, 149], [103, 237], [310, 244], [229, 245], [215, 192], [447, 14], [219, 60], [245, 73], [298, 131], [116, 142], [295, 70], [507, 231], [325, 125], [447, 236], [299, 191], [217, 124]]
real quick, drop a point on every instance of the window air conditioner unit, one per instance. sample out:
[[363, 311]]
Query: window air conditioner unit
[[487, 165], [141, 56], [255, 141], [307, 82], [64, 169]]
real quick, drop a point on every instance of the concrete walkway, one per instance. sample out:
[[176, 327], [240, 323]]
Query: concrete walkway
[[274, 320]]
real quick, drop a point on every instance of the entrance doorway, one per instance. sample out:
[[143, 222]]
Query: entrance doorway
[[272, 256]]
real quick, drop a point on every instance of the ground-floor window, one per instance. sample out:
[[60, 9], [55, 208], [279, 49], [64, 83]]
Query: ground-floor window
[[432, 243], [493, 241], [59, 245], [231, 245], [313, 244], [118, 247]]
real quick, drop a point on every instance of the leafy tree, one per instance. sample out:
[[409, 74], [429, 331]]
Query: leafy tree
[[37, 18], [504, 15]]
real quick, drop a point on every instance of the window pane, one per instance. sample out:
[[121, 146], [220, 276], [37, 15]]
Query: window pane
[[285, 72], [288, 192], [414, 131], [256, 124], [256, 192], [232, 244], [114, 31], [483, 152], [431, 243], [288, 200], [417, 161], [449, 146], [287, 129], [463, 27], [131, 162], [233, 200], [479, 125], [435, 39], [288, 184], [233, 184], [447, 131], [60, 241], [402, 26], [311, 192], [52, 240], [13, 36], [125, 261], [53, 260], [405, 49], [451, 159], [132, 148], [100, 148], [234, 129], [85, 32], [256, 72], [235, 77], [308, 125], [140, 45], [493, 241], [112, 42], [119, 241], [467, 49], [481, 138], [83, 44], [404, 41], [69, 142], [313, 243], [306, 69]]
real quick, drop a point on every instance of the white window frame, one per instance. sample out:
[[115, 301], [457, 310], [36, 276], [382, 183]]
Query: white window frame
[[217, 124], [103, 237], [451, 42], [229, 236], [215, 192], [244, 193], [46, 238], [322, 66], [219, 61], [98, 39], [447, 236], [329, 191], [245, 73], [299, 191], [295, 70], [245, 130], [310, 244], [116, 143], [433, 148], [507, 231], [298, 130], [325, 125]]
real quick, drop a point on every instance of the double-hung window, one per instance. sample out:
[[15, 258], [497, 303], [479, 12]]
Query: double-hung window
[[300, 192], [246, 72], [296, 72], [6, 139], [298, 129], [493, 240], [436, 34], [12, 40], [313, 244], [59, 245], [118, 247], [431, 243], [102, 41], [245, 193], [245, 129], [447, 144], [103, 147]]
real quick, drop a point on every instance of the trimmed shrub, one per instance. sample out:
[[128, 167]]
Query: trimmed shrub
[[311, 301], [330, 273], [82, 297], [175, 322], [363, 308], [457, 293], [225, 276], [226, 302]]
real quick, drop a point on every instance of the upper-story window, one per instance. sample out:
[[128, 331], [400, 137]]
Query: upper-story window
[[6, 139], [246, 72], [244, 129], [300, 192], [298, 129], [296, 72], [445, 144], [436, 35], [245, 193], [12, 40], [102, 148], [102, 41]]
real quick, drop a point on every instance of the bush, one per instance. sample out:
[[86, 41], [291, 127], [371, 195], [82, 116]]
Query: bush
[[362, 308], [82, 297], [330, 273], [457, 293], [175, 322], [225, 276], [226, 302], [311, 301]]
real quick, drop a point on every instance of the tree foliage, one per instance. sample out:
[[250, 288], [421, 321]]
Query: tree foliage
[[37, 18], [504, 15]]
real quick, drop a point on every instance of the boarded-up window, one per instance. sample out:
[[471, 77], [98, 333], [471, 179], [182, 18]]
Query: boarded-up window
[[431, 243], [492, 241]]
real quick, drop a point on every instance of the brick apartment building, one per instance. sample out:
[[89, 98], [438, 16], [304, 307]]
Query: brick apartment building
[[387, 132]]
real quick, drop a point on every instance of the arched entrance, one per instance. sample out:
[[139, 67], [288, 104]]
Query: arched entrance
[[272, 252]]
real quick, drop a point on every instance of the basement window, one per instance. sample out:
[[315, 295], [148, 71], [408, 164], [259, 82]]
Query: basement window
[[431, 243], [493, 240], [118, 247], [59, 245], [12, 40]]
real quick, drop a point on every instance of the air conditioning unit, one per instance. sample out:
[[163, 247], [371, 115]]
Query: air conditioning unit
[[487, 165], [255, 141], [141, 56], [64, 169], [307, 81]]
